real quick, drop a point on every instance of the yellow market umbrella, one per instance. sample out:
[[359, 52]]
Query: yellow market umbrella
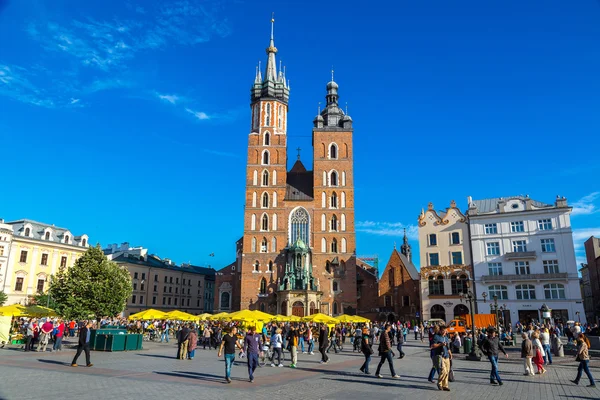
[[358, 318], [285, 318], [180, 316], [243, 316], [321, 318], [40, 311], [204, 317], [219, 316], [16, 310], [262, 316], [148, 314], [346, 318]]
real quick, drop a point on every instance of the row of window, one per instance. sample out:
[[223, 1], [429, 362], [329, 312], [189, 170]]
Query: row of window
[[456, 256], [335, 225], [43, 260], [264, 245], [454, 238], [165, 301], [522, 267], [552, 291], [264, 178], [166, 289], [48, 236], [333, 200], [268, 115], [264, 223], [40, 284], [493, 248], [458, 284], [519, 226]]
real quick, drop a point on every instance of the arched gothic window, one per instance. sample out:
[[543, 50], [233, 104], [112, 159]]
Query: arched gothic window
[[334, 247], [265, 178], [265, 200], [334, 200], [333, 151], [266, 157], [254, 245], [256, 265], [268, 114], [334, 223], [299, 225], [391, 277], [267, 140], [280, 116], [263, 286], [333, 178], [255, 116], [335, 308], [264, 224], [263, 245]]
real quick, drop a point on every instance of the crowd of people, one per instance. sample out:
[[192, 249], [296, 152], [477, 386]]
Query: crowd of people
[[539, 342]]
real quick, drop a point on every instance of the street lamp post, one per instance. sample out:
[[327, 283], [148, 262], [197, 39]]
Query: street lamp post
[[494, 308], [470, 297]]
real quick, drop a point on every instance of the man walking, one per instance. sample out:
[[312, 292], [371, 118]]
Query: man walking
[[527, 354], [229, 343], [491, 346], [323, 336], [252, 345], [385, 351], [46, 331], [442, 357], [293, 340], [84, 345], [182, 342]]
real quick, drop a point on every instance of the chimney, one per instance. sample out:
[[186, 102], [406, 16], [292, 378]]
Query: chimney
[[469, 201]]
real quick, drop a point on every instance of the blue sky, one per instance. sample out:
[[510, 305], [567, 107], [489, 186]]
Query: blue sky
[[128, 120]]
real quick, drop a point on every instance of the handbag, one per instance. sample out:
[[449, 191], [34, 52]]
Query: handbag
[[451, 375]]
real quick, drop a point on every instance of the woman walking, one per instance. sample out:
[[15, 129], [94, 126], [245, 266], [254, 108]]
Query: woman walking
[[538, 358], [583, 357], [193, 343], [276, 342]]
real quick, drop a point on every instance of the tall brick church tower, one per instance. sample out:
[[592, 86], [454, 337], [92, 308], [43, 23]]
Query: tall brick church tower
[[298, 249]]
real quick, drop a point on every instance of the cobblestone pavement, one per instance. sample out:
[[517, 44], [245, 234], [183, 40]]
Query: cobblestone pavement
[[154, 373]]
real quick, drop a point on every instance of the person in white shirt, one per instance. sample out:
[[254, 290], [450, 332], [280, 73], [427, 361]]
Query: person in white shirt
[[545, 340], [276, 342]]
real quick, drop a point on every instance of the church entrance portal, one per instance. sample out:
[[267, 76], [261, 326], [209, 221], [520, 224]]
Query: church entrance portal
[[298, 309]]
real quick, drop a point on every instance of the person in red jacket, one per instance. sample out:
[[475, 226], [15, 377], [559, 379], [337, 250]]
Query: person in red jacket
[[58, 337]]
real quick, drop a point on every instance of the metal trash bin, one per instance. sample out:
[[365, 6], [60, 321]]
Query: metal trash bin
[[468, 345]]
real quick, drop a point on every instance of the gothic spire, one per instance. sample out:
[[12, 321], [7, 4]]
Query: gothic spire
[[405, 248], [271, 71]]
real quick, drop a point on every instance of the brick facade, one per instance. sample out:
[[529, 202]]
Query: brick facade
[[399, 290]]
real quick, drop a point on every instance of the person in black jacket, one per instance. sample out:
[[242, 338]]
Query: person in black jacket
[[84, 345], [323, 341], [491, 347], [182, 342]]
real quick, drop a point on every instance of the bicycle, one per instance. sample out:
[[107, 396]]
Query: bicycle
[[267, 355]]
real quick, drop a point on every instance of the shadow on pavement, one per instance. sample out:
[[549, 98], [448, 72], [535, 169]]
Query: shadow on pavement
[[200, 376], [157, 356], [380, 382], [54, 362]]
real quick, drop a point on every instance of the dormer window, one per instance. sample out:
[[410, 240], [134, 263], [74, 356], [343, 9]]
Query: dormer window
[[47, 236], [83, 242], [27, 232], [66, 238]]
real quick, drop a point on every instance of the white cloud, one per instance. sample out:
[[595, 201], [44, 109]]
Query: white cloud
[[170, 98], [198, 114], [75, 101], [586, 205], [387, 229]]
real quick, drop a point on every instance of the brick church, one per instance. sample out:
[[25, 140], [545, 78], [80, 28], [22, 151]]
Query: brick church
[[298, 252]]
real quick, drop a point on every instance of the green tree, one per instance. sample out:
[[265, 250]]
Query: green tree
[[41, 299], [94, 287], [3, 298]]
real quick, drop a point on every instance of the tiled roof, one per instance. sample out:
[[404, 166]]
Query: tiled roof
[[491, 205], [38, 228], [155, 262], [299, 185]]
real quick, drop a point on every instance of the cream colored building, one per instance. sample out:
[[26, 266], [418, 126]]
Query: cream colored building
[[36, 252], [446, 267], [6, 235], [162, 285]]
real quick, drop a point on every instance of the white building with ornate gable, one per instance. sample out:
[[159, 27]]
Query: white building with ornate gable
[[523, 253]]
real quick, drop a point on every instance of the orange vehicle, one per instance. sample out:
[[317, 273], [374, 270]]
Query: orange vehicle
[[481, 321]]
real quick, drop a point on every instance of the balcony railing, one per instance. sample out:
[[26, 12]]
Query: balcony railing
[[528, 277], [521, 255]]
